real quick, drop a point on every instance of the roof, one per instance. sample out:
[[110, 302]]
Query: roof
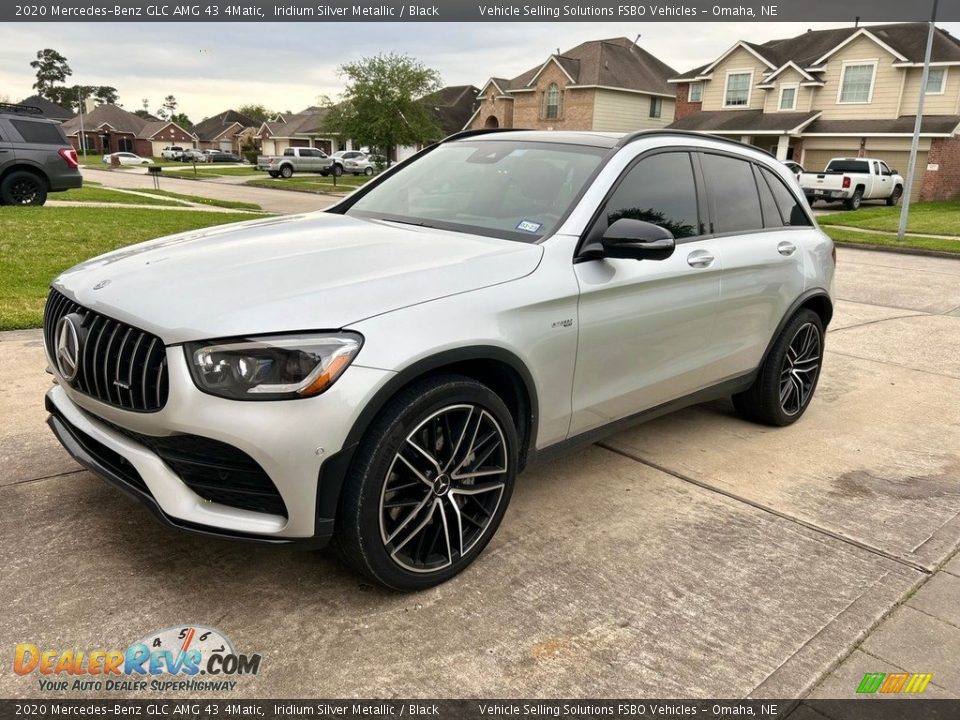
[[48, 108], [305, 123], [212, 127], [906, 39], [903, 125], [149, 130], [452, 106], [116, 117], [743, 121], [613, 62]]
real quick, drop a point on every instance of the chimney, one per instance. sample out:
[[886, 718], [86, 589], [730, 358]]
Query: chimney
[[88, 105], [856, 21]]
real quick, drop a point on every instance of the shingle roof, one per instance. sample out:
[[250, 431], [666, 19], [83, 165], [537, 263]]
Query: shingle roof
[[49, 108], [745, 121], [931, 124], [212, 127], [116, 117], [452, 106], [306, 123], [614, 62]]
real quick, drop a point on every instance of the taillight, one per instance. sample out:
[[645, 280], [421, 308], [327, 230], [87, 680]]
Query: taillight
[[69, 156], [846, 182]]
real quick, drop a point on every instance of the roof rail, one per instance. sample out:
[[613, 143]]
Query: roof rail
[[640, 134], [25, 109], [483, 131]]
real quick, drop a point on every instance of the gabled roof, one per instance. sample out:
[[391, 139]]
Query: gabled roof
[[116, 118], [902, 40], [150, 130], [49, 108], [304, 124], [452, 106], [611, 63], [213, 127]]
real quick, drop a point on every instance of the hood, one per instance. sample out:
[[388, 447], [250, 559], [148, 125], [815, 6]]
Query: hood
[[320, 271]]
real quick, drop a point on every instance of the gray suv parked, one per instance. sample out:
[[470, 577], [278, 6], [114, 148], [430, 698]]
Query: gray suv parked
[[35, 157]]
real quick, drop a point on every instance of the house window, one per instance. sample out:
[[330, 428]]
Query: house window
[[737, 93], [856, 82], [936, 81], [552, 102], [696, 92], [656, 105], [788, 98]]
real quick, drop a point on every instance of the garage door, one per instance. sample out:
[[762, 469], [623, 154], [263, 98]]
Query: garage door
[[815, 160]]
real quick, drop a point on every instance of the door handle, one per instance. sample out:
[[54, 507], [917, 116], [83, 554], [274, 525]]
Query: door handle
[[700, 259], [786, 248]]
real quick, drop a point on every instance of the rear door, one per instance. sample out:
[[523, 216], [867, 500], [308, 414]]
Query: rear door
[[647, 326], [759, 227]]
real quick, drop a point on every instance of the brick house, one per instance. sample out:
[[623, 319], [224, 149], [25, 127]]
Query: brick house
[[612, 85], [841, 92], [452, 107], [302, 129], [109, 129], [225, 131]]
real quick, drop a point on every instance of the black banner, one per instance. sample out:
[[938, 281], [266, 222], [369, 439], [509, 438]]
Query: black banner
[[396, 709], [473, 11]]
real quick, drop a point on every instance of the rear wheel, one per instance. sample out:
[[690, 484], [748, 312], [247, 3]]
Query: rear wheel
[[854, 202], [430, 484], [788, 377], [286, 172], [895, 196], [23, 188], [273, 174]]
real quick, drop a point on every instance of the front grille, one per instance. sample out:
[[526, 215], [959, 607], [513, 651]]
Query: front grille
[[214, 470], [117, 364]]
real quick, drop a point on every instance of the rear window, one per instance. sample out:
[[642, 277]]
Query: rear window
[[735, 201], [790, 208], [41, 133], [850, 166]]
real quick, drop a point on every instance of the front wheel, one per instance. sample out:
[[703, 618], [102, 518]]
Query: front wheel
[[895, 196], [23, 188], [368, 171], [429, 485], [788, 377], [337, 170]]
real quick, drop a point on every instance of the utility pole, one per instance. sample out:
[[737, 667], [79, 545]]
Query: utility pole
[[83, 137], [912, 165]]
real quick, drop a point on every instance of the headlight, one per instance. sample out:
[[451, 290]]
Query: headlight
[[275, 367]]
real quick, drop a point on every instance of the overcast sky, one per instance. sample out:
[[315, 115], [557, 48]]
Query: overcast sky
[[213, 67]]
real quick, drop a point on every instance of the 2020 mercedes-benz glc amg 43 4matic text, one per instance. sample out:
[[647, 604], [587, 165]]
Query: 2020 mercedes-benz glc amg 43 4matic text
[[378, 373]]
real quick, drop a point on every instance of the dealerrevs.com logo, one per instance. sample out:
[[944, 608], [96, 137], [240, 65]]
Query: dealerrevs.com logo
[[184, 658]]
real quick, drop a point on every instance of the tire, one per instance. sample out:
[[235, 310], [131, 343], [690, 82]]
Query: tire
[[337, 170], [895, 196], [854, 202], [368, 171], [788, 377], [273, 173], [23, 188], [410, 457], [286, 172]]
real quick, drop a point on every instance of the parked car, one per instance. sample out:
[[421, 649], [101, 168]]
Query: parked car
[[35, 157], [853, 180], [381, 371], [794, 167], [126, 158], [297, 159], [354, 162], [172, 152], [192, 155], [221, 156]]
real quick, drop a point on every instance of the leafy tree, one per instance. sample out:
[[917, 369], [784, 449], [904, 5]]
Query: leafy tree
[[182, 120], [256, 111], [379, 106], [52, 68], [73, 96]]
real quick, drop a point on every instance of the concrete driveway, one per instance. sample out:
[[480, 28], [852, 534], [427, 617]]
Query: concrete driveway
[[697, 555]]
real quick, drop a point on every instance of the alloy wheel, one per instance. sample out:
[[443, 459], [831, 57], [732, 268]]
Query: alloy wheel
[[24, 191], [801, 365], [443, 488]]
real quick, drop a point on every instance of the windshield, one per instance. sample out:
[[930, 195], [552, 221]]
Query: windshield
[[506, 189]]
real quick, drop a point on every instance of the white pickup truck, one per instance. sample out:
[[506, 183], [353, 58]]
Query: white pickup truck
[[297, 159], [853, 180]]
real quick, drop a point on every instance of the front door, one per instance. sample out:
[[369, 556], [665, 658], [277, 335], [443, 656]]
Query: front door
[[647, 326]]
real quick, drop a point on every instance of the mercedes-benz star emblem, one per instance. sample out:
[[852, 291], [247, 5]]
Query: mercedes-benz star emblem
[[67, 348], [101, 284]]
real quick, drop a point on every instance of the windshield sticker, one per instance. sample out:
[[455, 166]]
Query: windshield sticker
[[529, 226]]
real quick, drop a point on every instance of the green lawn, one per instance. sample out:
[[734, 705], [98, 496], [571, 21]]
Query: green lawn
[[311, 183], [88, 194], [938, 218], [206, 171], [37, 243], [212, 202], [842, 235]]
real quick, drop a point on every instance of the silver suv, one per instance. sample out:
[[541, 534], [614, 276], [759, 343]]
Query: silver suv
[[379, 373]]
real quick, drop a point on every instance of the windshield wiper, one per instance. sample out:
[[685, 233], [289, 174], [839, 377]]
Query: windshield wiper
[[408, 222]]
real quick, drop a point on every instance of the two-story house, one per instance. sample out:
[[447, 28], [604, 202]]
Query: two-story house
[[613, 85], [841, 92]]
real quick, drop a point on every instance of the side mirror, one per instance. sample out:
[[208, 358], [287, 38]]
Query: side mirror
[[894, 171], [637, 240]]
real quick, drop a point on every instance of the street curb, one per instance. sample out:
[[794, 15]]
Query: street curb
[[895, 249]]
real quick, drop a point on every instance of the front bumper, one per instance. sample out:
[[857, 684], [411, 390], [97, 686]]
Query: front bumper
[[291, 441]]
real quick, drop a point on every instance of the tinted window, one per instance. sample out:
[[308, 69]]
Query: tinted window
[[851, 166], [734, 202], [42, 133], [790, 208], [771, 213], [288, 152], [659, 190]]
